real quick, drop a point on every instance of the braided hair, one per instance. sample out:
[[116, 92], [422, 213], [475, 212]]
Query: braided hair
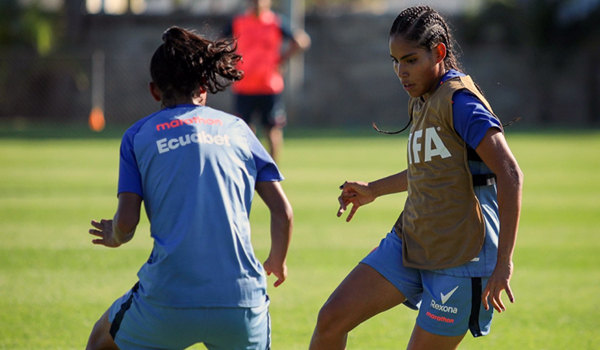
[[187, 62], [427, 28]]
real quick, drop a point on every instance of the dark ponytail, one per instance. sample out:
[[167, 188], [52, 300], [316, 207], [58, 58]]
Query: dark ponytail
[[187, 62]]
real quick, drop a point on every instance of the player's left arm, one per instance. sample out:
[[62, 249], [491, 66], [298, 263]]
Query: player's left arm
[[113, 233], [299, 42], [495, 153], [282, 217]]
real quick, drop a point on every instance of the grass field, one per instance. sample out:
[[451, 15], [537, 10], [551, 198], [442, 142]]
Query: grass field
[[54, 284]]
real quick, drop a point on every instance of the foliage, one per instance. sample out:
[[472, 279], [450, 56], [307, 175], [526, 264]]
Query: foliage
[[540, 23], [30, 26]]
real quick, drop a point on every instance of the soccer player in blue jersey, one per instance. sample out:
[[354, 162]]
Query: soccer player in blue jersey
[[196, 170], [449, 255]]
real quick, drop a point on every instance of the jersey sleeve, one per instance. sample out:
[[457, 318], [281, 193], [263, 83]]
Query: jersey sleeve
[[471, 119], [130, 178], [266, 168]]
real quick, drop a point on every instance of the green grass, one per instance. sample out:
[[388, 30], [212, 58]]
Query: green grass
[[54, 284]]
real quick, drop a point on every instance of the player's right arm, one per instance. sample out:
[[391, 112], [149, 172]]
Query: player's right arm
[[127, 217], [362, 193], [119, 230]]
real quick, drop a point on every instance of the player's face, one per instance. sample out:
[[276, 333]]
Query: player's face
[[260, 5], [418, 69]]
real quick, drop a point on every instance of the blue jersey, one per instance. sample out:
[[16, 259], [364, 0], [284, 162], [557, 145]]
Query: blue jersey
[[196, 169], [471, 121]]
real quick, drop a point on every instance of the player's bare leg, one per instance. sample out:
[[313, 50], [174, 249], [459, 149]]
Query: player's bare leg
[[275, 140], [423, 340], [363, 294], [100, 339]]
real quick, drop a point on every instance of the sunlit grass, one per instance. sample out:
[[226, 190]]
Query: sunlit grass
[[54, 284]]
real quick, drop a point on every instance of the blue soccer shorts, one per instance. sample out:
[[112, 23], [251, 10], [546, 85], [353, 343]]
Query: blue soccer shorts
[[137, 324], [447, 305]]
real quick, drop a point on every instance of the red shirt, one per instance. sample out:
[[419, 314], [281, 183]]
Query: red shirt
[[259, 41]]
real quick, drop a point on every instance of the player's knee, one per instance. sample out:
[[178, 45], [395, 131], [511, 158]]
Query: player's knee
[[330, 319]]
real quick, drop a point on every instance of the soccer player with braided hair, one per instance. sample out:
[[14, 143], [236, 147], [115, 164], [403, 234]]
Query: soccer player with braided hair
[[449, 254], [196, 170]]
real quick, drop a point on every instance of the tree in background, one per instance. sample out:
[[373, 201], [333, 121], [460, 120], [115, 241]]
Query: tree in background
[[551, 32], [29, 26]]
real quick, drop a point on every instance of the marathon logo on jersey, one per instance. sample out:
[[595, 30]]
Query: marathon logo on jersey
[[166, 145], [433, 144], [188, 121]]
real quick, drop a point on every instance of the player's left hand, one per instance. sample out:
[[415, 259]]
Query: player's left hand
[[279, 270], [499, 281], [104, 230]]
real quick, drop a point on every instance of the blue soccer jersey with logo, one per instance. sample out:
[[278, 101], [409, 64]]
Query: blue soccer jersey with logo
[[196, 168]]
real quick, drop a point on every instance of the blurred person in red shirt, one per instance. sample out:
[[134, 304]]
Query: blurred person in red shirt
[[266, 41]]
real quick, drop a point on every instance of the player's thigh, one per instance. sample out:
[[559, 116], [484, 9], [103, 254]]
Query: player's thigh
[[363, 294], [239, 328], [100, 337], [387, 260], [423, 340]]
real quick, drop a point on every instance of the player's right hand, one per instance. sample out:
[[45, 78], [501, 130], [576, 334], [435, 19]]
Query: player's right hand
[[355, 193], [104, 230]]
